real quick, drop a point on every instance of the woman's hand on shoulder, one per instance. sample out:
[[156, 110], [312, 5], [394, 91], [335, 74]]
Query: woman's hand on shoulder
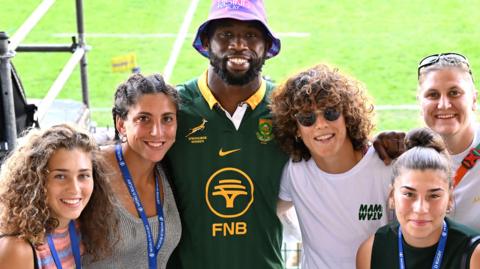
[[364, 253], [15, 253]]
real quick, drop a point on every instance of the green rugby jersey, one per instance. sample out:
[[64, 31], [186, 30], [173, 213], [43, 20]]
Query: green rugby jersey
[[226, 183]]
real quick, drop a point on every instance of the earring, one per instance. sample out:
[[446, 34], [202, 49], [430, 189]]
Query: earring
[[123, 138], [297, 138]]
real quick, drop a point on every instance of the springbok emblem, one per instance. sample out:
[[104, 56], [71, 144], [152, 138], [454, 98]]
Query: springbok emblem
[[197, 128]]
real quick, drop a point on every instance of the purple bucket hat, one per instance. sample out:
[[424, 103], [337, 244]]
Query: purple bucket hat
[[242, 10]]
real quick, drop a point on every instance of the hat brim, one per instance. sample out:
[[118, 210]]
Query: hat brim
[[197, 42]]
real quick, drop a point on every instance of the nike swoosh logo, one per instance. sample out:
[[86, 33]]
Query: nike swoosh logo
[[222, 153]]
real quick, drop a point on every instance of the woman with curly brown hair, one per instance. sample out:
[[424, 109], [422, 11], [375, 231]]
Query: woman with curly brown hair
[[55, 201], [338, 186]]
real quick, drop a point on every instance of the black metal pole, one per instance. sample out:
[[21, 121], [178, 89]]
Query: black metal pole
[[7, 92], [82, 44], [46, 48]]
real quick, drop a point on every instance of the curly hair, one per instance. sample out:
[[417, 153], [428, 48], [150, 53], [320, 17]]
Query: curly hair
[[320, 86], [137, 85], [23, 194]]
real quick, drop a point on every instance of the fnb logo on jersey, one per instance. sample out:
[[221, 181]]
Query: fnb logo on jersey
[[370, 212], [229, 194]]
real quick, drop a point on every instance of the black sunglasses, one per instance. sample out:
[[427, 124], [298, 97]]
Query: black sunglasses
[[435, 58], [309, 118]]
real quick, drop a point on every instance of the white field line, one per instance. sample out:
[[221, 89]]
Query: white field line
[[177, 46], [27, 26], [398, 107], [377, 108], [59, 83], [118, 35], [163, 35]]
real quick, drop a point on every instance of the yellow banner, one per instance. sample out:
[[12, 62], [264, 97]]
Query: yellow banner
[[124, 62]]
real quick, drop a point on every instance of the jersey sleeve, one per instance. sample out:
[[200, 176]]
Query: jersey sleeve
[[286, 184]]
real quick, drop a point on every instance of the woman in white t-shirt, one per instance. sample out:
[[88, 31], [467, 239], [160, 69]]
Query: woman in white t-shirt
[[448, 100], [338, 185]]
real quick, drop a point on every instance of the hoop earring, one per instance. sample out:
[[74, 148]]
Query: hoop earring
[[123, 138], [297, 138]]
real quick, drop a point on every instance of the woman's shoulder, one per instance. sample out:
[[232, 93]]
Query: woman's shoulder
[[466, 241], [460, 229], [391, 227], [475, 258], [108, 152], [364, 253], [15, 253], [385, 234], [108, 155]]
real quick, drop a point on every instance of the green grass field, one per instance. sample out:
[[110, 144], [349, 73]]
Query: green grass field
[[377, 41]]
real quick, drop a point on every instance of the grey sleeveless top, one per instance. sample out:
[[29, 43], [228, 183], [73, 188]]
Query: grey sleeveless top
[[131, 249]]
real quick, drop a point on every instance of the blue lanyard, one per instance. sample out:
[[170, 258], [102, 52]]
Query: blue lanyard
[[74, 243], [151, 249], [437, 261]]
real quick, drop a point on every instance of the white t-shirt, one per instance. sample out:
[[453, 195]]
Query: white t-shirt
[[337, 212], [466, 209]]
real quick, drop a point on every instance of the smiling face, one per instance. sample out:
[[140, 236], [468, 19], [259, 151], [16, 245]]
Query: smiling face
[[448, 99], [421, 199], [69, 184], [150, 126], [237, 50], [325, 139]]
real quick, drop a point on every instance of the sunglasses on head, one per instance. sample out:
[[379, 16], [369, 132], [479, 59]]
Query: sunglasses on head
[[309, 118], [435, 58]]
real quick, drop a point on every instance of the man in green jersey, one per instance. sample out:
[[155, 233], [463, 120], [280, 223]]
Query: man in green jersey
[[226, 165]]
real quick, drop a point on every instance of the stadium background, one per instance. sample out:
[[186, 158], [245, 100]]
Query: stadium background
[[379, 42]]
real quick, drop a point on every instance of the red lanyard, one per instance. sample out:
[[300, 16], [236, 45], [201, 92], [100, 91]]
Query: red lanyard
[[467, 163]]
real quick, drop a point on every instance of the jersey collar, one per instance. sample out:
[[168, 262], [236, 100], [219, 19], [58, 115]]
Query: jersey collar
[[252, 101]]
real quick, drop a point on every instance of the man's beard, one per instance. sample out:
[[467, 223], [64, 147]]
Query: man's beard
[[220, 67]]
